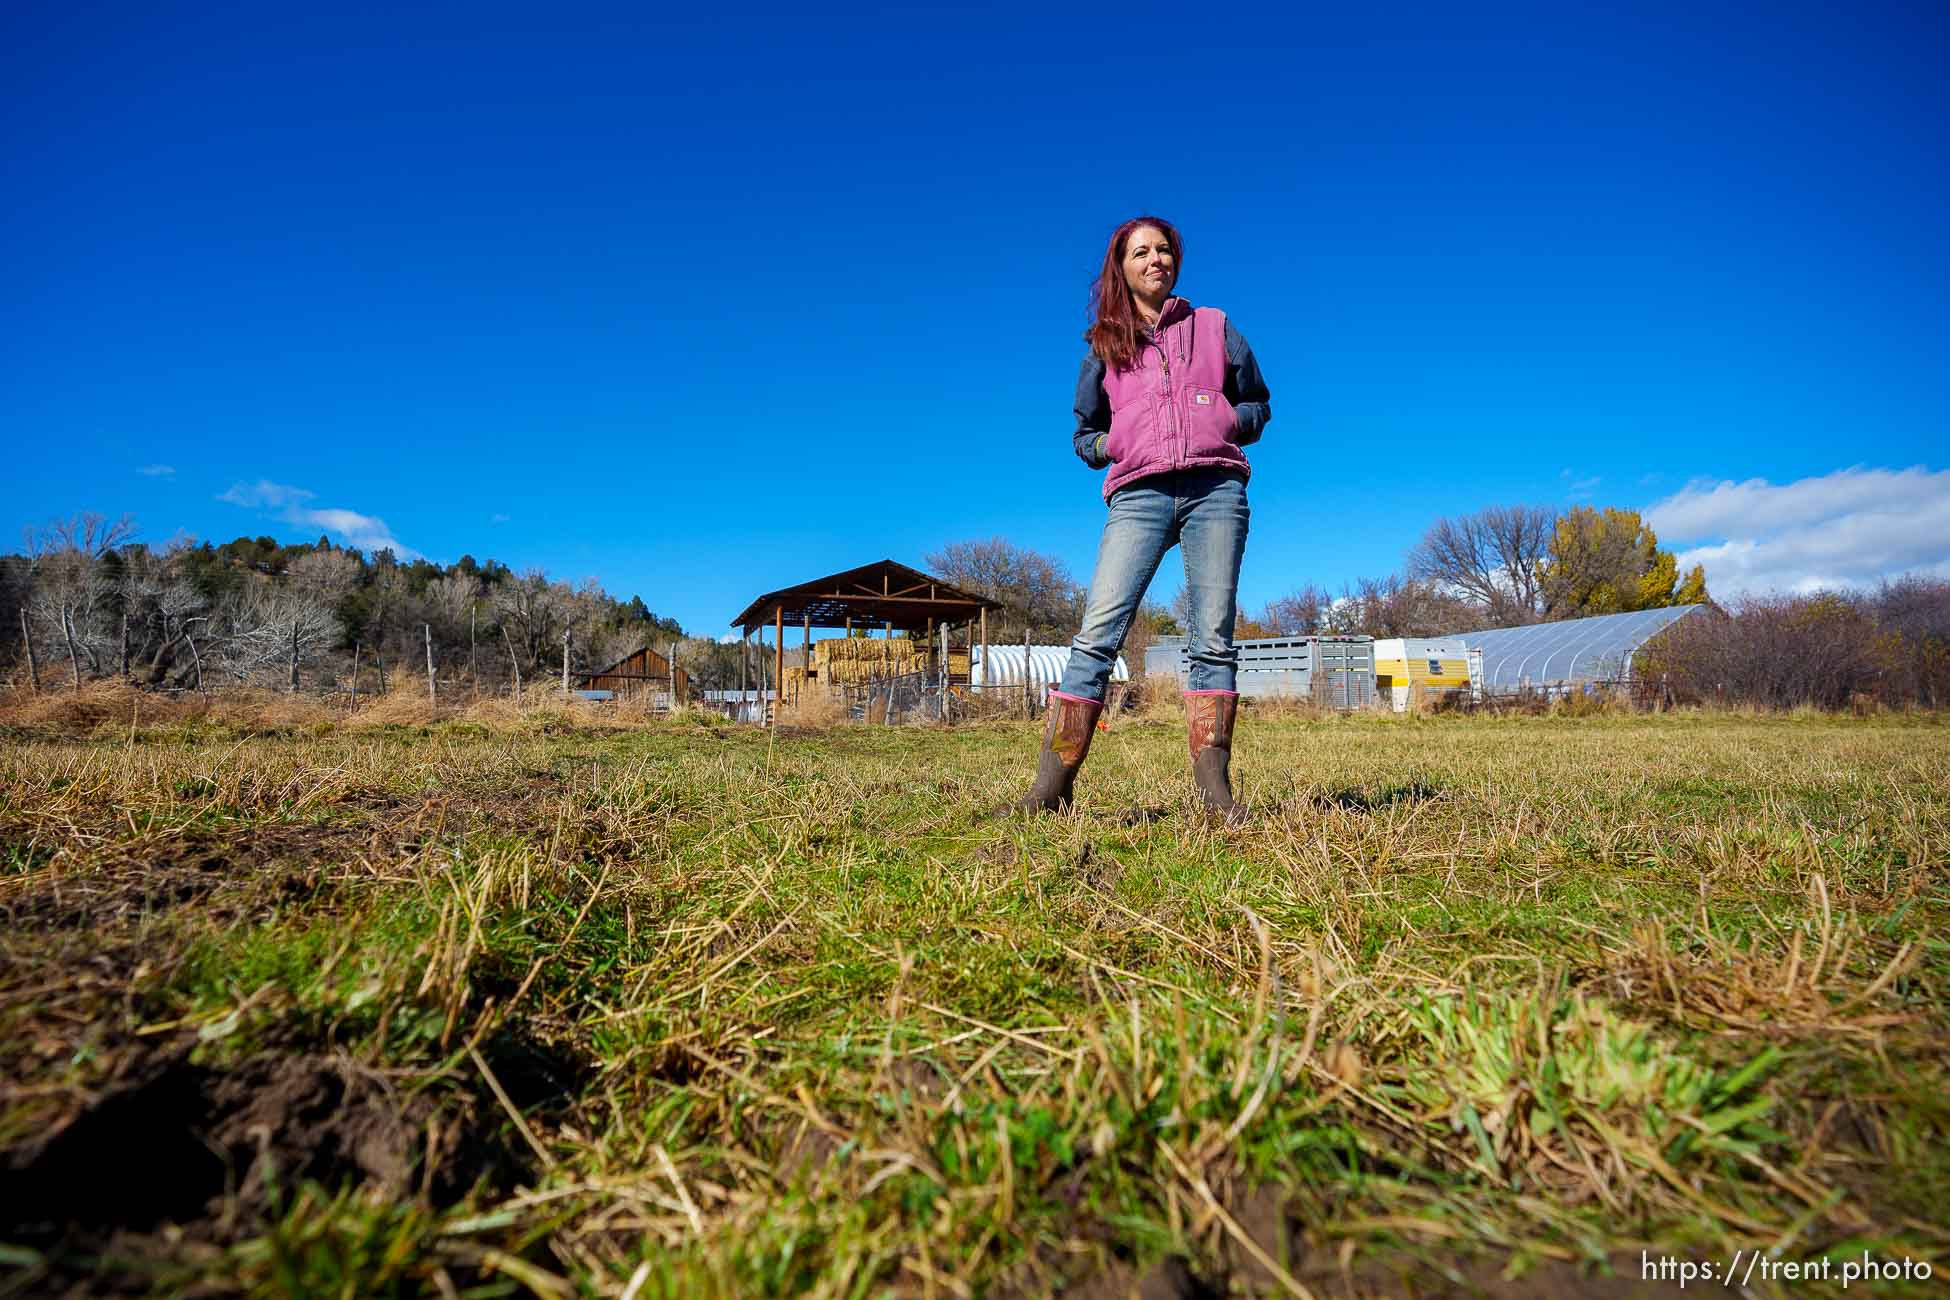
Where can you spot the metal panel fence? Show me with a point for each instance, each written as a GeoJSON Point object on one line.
{"type": "Point", "coordinates": [1335, 672]}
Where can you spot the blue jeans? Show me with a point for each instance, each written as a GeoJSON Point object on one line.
{"type": "Point", "coordinates": [1204, 513]}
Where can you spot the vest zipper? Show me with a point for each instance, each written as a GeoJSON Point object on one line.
{"type": "Point", "coordinates": [1171, 408]}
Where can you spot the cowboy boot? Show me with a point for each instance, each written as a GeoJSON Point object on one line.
{"type": "Point", "coordinates": [1208, 717]}
{"type": "Point", "coordinates": [1066, 740]}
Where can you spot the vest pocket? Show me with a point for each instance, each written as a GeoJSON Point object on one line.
{"type": "Point", "coordinates": [1209, 420]}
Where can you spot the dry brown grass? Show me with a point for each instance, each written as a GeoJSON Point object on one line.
{"type": "Point", "coordinates": [813, 711]}
{"type": "Point", "coordinates": [403, 706]}
{"type": "Point", "coordinates": [117, 703]}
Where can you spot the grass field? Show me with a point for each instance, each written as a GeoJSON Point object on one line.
{"type": "Point", "coordinates": [1472, 1006]}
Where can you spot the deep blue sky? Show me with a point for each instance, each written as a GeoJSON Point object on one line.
{"type": "Point", "coordinates": [703, 306]}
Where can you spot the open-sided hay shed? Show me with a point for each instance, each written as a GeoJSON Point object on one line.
{"type": "Point", "coordinates": [907, 607]}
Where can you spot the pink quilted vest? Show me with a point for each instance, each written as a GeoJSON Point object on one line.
{"type": "Point", "coordinates": [1168, 411]}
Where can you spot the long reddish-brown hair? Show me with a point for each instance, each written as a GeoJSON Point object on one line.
{"type": "Point", "coordinates": [1113, 332]}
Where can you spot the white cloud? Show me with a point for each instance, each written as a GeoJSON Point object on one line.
{"type": "Point", "coordinates": [157, 471]}
{"type": "Point", "coordinates": [1848, 528]}
{"type": "Point", "coordinates": [366, 532]}
{"type": "Point", "coordinates": [264, 494]}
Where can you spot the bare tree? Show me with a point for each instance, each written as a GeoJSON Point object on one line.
{"type": "Point", "coordinates": [277, 628]}
{"type": "Point", "coordinates": [1394, 606]}
{"type": "Point", "coordinates": [86, 534]}
{"type": "Point", "coordinates": [1036, 590]}
{"type": "Point", "coordinates": [450, 599]}
{"type": "Point", "coordinates": [535, 612]}
{"type": "Point", "coordinates": [73, 596]}
{"type": "Point", "coordinates": [328, 574]}
{"type": "Point", "coordinates": [1492, 559]}
{"type": "Point", "coordinates": [178, 608]}
{"type": "Point", "coordinates": [1300, 612]}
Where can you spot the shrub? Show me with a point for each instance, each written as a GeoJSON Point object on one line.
{"type": "Point", "coordinates": [1780, 652]}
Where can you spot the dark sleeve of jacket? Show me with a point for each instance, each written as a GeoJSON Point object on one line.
{"type": "Point", "coordinates": [1093, 413]}
{"type": "Point", "coordinates": [1252, 405]}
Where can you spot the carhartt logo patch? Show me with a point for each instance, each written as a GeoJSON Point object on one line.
{"type": "Point", "coordinates": [1203, 399]}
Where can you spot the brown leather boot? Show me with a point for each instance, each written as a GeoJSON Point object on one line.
{"type": "Point", "coordinates": [1066, 740]}
{"type": "Point", "coordinates": [1208, 717]}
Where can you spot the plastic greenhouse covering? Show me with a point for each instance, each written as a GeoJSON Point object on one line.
{"type": "Point", "coordinates": [1576, 650]}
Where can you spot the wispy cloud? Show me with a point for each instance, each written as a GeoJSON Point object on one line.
{"type": "Point", "coordinates": [1579, 488]}
{"type": "Point", "coordinates": [264, 495]}
{"type": "Point", "coordinates": [1848, 528]}
{"type": "Point", "coordinates": [498, 519]}
{"type": "Point", "coordinates": [352, 528]}
{"type": "Point", "coordinates": [157, 471]}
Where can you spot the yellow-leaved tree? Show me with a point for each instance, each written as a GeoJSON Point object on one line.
{"type": "Point", "coordinates": [1609, 562]}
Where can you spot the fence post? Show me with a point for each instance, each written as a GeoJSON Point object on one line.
{"type": "Point", "coordinates": [33, 665]}
{"type": "Point", "coordinates": [513, 662]}
{"type": "Point", "coordinates": [426, 630]}
{"type": "Point", "coordinates": [1028, 703]}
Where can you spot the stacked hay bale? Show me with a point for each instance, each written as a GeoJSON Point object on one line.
{"type": "Point", "coordinates": [856, 659]}
{"type": "Point", "coordinates": [866, 659]}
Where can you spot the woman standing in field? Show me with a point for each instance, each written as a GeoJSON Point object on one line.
{"type": "Point", "coordinates": [1168, 396]}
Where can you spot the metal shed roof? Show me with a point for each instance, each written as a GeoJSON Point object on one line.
{"type": "Point", "coordinates": [1574, 650]}
{"type": "Point", "coordinates": [883, 592]}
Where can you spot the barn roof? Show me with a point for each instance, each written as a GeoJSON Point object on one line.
{"type": "Point", "coordinates": [883, 592]}
{"type": "Point", "coordinates": [614, 668]}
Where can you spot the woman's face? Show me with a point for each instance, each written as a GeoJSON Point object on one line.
{"type": "Point", "coordinates": [1149, 267]}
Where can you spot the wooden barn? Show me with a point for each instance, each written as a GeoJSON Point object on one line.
{"type": "Point", "coordinates": [643, 678]}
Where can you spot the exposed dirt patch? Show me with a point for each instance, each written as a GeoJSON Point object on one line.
{"type": "Point", "coordinates": [183, 1144]}
{"type": "Point", "coordinates": [1170, 1279]}
{"type": "Point", "coordinates": [253, 871]}
{"type": "Point", "coordinates": [1352, 800]}
{"type": "Point", "coordinates": [1003, 853]}
{"type": "Point", "coordinates": [1476, 1277]}
{"type": "Point", "coordinates": [1271, 1219]}
{"type": "Point", "coordinates": [178, 1158]}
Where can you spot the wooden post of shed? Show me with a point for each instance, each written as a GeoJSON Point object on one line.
{"type": "Point", "coordinates": [985, 647]}
{"type": "Point", "coordinates": [744, 668]}
{"type": "Point", "coordinates": [808, 648]}
{"type": "Point", "coordinates": [778, 649]}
